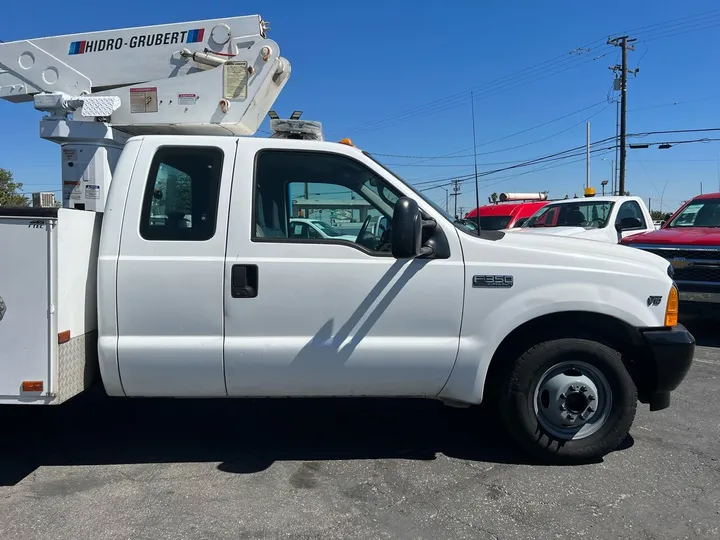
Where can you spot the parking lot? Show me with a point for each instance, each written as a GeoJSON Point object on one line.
{"type": "Point", "coordinates": [112, 469]}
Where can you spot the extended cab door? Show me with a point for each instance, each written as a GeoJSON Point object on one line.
{"type": "Point", "coordinates": [171, 268]}
{"type": "Point", "coordinates": [324, 316]}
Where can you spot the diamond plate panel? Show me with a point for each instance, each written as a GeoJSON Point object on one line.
{"type": "Point", "coordinates": [77, 366]}
{"type": "Point", "coordinates": [100, 105]}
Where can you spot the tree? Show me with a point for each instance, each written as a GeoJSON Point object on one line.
{"type": "Point", "coordinates": [11, 191]}
{"type": "Point", "coordinates": [657, 215]}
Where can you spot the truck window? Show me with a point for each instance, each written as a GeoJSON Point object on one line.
{"type": "Point", "coordinates": [323, 188]}
{"type": "Point", "coordinates": [700, 213]}
{"type": "Point", "coordinates": [491, 223]}
{"type": "Point", "coordinates": [583, 213]}
{"type": "Point", "coordinates": [631, 209]}
{"type": "Point", "coordinates": [181, 195]}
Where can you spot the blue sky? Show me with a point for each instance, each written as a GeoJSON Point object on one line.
{"type": "Point", "coordinates": [396, 76]}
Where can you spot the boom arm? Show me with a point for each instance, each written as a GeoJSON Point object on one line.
{"type": "Point", "coordinates": [210, 77]}
{"type": "Point", "coordinates": [201, 77]}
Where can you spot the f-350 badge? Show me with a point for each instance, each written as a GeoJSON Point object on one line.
{"type": "Point", "coordinates": [3, 308]}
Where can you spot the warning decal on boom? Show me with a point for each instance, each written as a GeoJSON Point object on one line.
{"type": "Point", "coordinates": [143, 100]}
{"type": "Point", "coordinates": [235, 78]}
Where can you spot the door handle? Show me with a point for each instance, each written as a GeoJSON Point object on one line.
{"type": "Point", "coordinates": [244, 281]}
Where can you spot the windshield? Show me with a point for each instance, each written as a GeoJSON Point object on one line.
{"type": "Point", "coordinates": [586, 214]}
{"type": "Point", "coordinates": [494, 223]}
{"type": "Point", "coordinates": [458, 223]}
{"type": "Point", "coordinates": [702, 213]}
{"type": "Point", "coordinates": [325, 228]}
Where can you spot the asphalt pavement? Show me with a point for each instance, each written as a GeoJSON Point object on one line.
{"type": "Point", "coordinates": [349, 469]}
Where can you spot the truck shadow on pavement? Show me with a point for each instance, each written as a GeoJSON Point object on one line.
{"type": "Point", "coordinates": [244, 436]}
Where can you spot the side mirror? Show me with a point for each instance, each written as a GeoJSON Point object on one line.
{"type": "Point", "coordinates": [406, 236]}
{"type": "Point", "coordinates": [628, 223]}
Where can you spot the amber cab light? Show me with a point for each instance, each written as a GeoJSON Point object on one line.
{"type": "Point", "coordinates": [673, 307]}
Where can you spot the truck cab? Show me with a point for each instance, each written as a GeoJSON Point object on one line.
{"type": "Point", "coordinates": [512, 210]}
{"type": "Point", "coordinates": [429, 308]}
{"type": "Point", "coordinates": [604, 218]}
{"type": "Point", "coordinates": [690, 241]}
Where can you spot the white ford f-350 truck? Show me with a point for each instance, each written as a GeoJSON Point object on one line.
{"type": "Point", "coordinates": [183, 281]}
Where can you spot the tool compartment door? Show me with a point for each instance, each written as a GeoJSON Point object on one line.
{"type": "Point", "coordinates": [26, 287]}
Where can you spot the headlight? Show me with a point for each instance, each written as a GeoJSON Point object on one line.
{"type": "Point", "coordinates": [671, 271]}
{"type": "Point", "coordinates": [672, 308]}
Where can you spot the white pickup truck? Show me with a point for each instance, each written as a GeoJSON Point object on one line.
{"type": "Point", "coordinates": [601, 218]}
{"type": "Point", "coordinates": [171, 269]}
{"type": "Point", "coordinates": [562, 336]}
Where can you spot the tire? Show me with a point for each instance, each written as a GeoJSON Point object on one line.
{"type": "Point", "coordinates": [543, 390]}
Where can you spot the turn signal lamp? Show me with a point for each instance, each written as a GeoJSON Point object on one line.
{"type": "Point", "coordinates": [672, 310]}
{"type": "Point", "coordinates": [346, 141]}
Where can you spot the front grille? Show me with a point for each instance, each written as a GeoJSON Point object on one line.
{"type": "Point", "coordinates": [705, 254]}
{"type": "Point", "coordinates": [699, 265]}
{"type": "Point", "coordinates": [697, 273]}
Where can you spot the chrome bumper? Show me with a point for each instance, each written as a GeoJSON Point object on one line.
{"type": "Point", "coordinates": [704, 297]}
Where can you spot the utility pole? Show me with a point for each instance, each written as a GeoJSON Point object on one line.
{"type": "Point", "coordinates": [617, 149]}
{"type": "Point", "coordinates": [447, 198]}
{"type": "Point", "coordinates": [477, 188]}
{"type": "Point", "coordinates": [623, 43]}
{"type": "Point", "coordinates": [587, 156]}
{"type": "Point", "coordinates": [456, 193]}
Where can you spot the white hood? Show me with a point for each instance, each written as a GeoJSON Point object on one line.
{"type": "Point", "coordinates": [557, 248]}
{"type": "Point", "coordinates": [581, 232]}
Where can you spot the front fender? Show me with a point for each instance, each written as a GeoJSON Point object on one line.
{"type": "Point", "coordinates": [490, 315]}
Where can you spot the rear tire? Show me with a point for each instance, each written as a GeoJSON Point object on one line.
{"type": "Point", "coordinates": [568, 400]}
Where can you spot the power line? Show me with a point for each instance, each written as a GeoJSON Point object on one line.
{"type": "Point", "coordinates": [650, 32]}
{"type": "Point", "coordinates": [674, 103]}
{"type": "Point", "coordinates": [502, 83]}
{"type": "Point", "coordinates": [629, 135]}
{"type": "Point", "coordinates": [451, 104]}
{"type": "Point", "coordinates": [558, 156]}
{"type": "Point", "coordinates": [670, 22]}
{"type": "Point", "coordinates": [574, 152]}
{"type": "Point", "coordinates": [452, 155]}
{"type": "Point", "coordinates": [679, 28]}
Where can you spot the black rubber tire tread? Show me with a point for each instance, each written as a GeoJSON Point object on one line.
{"type": "Point", "coordinates": [515, 398]}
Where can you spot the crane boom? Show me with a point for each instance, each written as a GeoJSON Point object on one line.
{"type": "Point", "coordinates": [207, 77]}
{"type": "Point", "coordinates": [215, 76]}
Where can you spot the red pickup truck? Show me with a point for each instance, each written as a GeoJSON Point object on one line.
{"type": "Point", "coordinates": [690, 240]}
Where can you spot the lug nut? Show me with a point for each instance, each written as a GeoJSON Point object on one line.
{"type": "Point", "coordinates": [562, 407]}
{"type": "Point", "coordinates": [570, 418]}
{"type": "Point", "coordinates": [572, 388]}
{"type": "Point", "coordinates": [581, 416]}
{"type": "Point", "coordinates": [583, 388]}
{"type": "Point", "coordinates": [563, 396]}
{"type": "Point", "coordinates": [590, 409]}
{"type": "Point", "coordinates": [591, 398]}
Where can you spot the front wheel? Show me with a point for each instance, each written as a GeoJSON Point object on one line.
{"type": "Point", "coordinates": [569, 400]}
